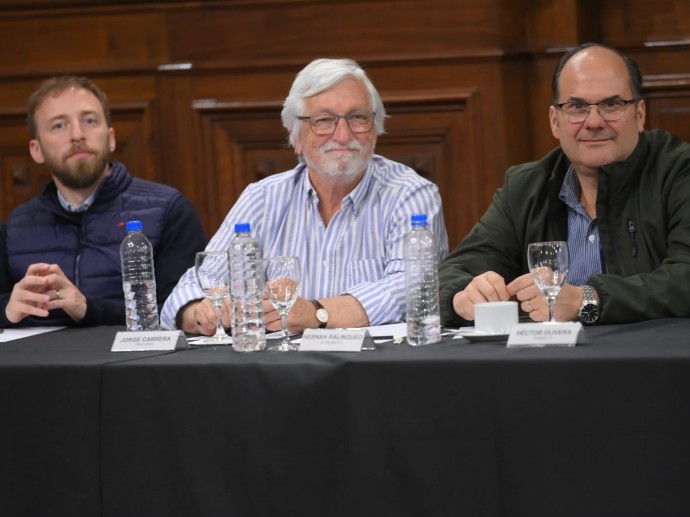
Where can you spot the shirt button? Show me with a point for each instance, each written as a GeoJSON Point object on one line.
{"type": "Point", "coordinates": [591, 238]}
{"type": "Point", "coordinates": [325, 263]}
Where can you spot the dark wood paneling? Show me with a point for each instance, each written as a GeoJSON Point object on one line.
{"type": "Point", "coordinates": [384, 30]}
{"type": "Point", "coordinates": [90, 42]}
{"type": "Point", "coordinates": [439, 135]}
{"type": "Point", "coordinates": [641, 22]}
{"type": "Point", "coordinates": [197, 86]}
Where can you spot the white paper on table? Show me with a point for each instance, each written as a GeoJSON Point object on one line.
{"type": "Point", "coordinates": [18, 333]}
{"type": "Point", "coordinates": [397, 330]}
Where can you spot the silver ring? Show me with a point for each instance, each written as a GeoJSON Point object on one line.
{"type": "Point", "coordinates": [57, 294]}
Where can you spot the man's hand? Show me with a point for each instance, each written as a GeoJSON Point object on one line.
{"type": "Point", "coordinates": [201, 317]}
{"type": "Point", "coordinates": [343, 311]}
{"type": "Point", "coordinates": [45, 287]}
{"type": "Point", "coordinates": [533, 302]}
{"type": "Point", "coordinates": [487, 287]}
{"type": "Point", "coordinates": [301, 316]}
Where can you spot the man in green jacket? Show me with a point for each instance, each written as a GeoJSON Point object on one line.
{"type": "Point", "coordinates": [619, 196]}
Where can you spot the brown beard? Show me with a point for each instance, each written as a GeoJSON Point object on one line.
{"type": "Point", "coordinates": [84, 174]}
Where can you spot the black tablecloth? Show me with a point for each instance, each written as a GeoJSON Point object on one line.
{"type": "Point", "coordinates": [601, 429]}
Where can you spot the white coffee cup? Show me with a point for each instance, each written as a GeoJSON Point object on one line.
{"type": "Point", "coordinates": [495, 317]}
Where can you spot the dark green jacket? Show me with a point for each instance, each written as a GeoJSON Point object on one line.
{"type": "Point", "coordinates": [643, 212]}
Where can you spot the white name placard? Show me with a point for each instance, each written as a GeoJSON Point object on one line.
{"type": "Point", "coordinates": [145, 340]}
{"type": "Point", "coordinates": [564, 334]}
{"type": "Point", "coordinates": [336, 340]}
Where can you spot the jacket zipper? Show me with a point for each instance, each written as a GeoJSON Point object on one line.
{"type": "Point", "coordinates": [631, 232]}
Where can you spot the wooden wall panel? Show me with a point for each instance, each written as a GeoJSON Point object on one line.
{"type": "Point", "coordinates": [88, 42]}
{"type": "Point", "coordinates": [669, 108]}
{"type": "Point", "coordinates": [643, 23]}
{"type": "Point", "coordinates": [294, 32]}
{"type": "Point", "coordinates": [439, 135]}
{"type": "Point", "coordinates": [242, 143]}
{"type": "Point", "coordinates": [197, 86]}
{"type": "Point", "coordinates": [20, 177]}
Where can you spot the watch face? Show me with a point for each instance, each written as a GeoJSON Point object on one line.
{"type": "Point", "coordinates": [589, 314]}
{"type": "Point", "coordinates": [322, 315]}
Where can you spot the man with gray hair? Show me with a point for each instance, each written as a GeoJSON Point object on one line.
{"type": "Point", "coordinates": [343, 210]}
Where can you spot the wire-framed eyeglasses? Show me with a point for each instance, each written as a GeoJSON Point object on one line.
{"type": "Point", "coordinates": [609, 109]}
{"type": "Point", "coordinates": [325, 123]}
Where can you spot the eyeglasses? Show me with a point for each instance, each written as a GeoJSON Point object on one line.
{"type": "Point", "coordinates": [325, 123]}
{"type": "Point", "coordinates": [609, 109]}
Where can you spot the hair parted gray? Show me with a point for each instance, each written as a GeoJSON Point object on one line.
{"type": "Point", "coordinates": [318, 76]}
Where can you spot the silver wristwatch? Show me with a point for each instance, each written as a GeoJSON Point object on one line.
{"type": "Point", "coordinates": [589, 310]}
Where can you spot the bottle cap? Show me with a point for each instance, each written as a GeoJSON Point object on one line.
{"type": "Point", "coordinates": [419, 220]}
{"type": "Point", "coordinates": [134, 226]}
{"type": "Point", "coordinates": [242, 228]}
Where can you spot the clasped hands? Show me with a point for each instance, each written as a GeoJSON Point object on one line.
{"type": "Point", "coordinates": [45, 287]}
{"type": "Point", "coordinates": [491, 287]}
{"type": "Point", "coordinates": [203, 316]}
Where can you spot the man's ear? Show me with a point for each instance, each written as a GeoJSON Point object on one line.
{"type": "Point", "coordinates": [36, 151]}
{"type": "Point", "coordinates": [640, 113]}
{"type": "Point", "coordinates": [111, 139]}
{"type": "Point", "coordinates": [554, 123]}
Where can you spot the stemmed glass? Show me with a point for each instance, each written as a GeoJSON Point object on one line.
{"type": "Point", "coordinates": [548, 264]}
{"type": "Point", "coordinates": [212, 273]}
{"type": "Point", "coordinates": [282, 279]}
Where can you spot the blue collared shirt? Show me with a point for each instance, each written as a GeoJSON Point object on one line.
{"type": "Point", "coordinates": [360, 252]}
{"type": "Point", "coordinates": [584, 245]}
{"type": "Point", "coordinates": [76, 208]}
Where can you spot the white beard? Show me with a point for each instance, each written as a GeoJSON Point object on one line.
{"type": "Point", "coordinates": [345, 168]}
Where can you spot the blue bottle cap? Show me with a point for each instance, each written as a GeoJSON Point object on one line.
{"type": "Point", "coordinates": [419, 220]}
{"type": "Point", "coordinates": [243, 228]}
{"type": "Point", "coordinates": [134, 226]}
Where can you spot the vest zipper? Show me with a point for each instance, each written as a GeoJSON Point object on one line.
{"type": "Point", "coordinates": [631, 232]}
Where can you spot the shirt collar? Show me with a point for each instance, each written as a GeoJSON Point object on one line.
{"type": "Point", "coordinates": [570, 189]}
{"type": "Point", "coordinates": [357, 196]}
{"type": "Point", "coordinates": [88, 201]}
{"type": "Point", "coordinates": [76, 208]}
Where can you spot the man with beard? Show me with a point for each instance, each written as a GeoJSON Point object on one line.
{"type": "Point", "coordinates": [344, 211]}
{"type": "Point", "coordinates": [60, 251]}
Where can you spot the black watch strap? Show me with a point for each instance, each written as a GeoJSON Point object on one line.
{"type": "Point", "coordinates": [321, 313]}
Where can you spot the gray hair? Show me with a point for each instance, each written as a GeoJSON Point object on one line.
{"type": "Point", "coordinates": [318, 76]}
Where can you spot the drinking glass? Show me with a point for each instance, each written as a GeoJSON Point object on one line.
{"type": "Point", "coordinates": [548, 264]}
{"type": "Point", "coordinates": [212, 273]}
{"type": "Point", "coordinates": [282, 279]}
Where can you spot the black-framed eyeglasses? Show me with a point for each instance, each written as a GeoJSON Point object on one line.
{"type": "Point", "coordinates": [609, 109]}
{"type": "Point", "coordinates": [325, 123]}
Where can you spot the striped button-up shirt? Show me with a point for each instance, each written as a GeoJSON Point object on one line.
{"type": "Point", "coordinates": [584, 245]}
{"type": "Point", "coordinates": [360, 252]}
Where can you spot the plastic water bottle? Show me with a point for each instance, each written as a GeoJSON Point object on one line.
{"type": "Point", "coordinates": [246, 291]}
{"type": "Point", "coordinates": [139, 280]}
{"type": "Point", "coordinates": [421, 284]}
